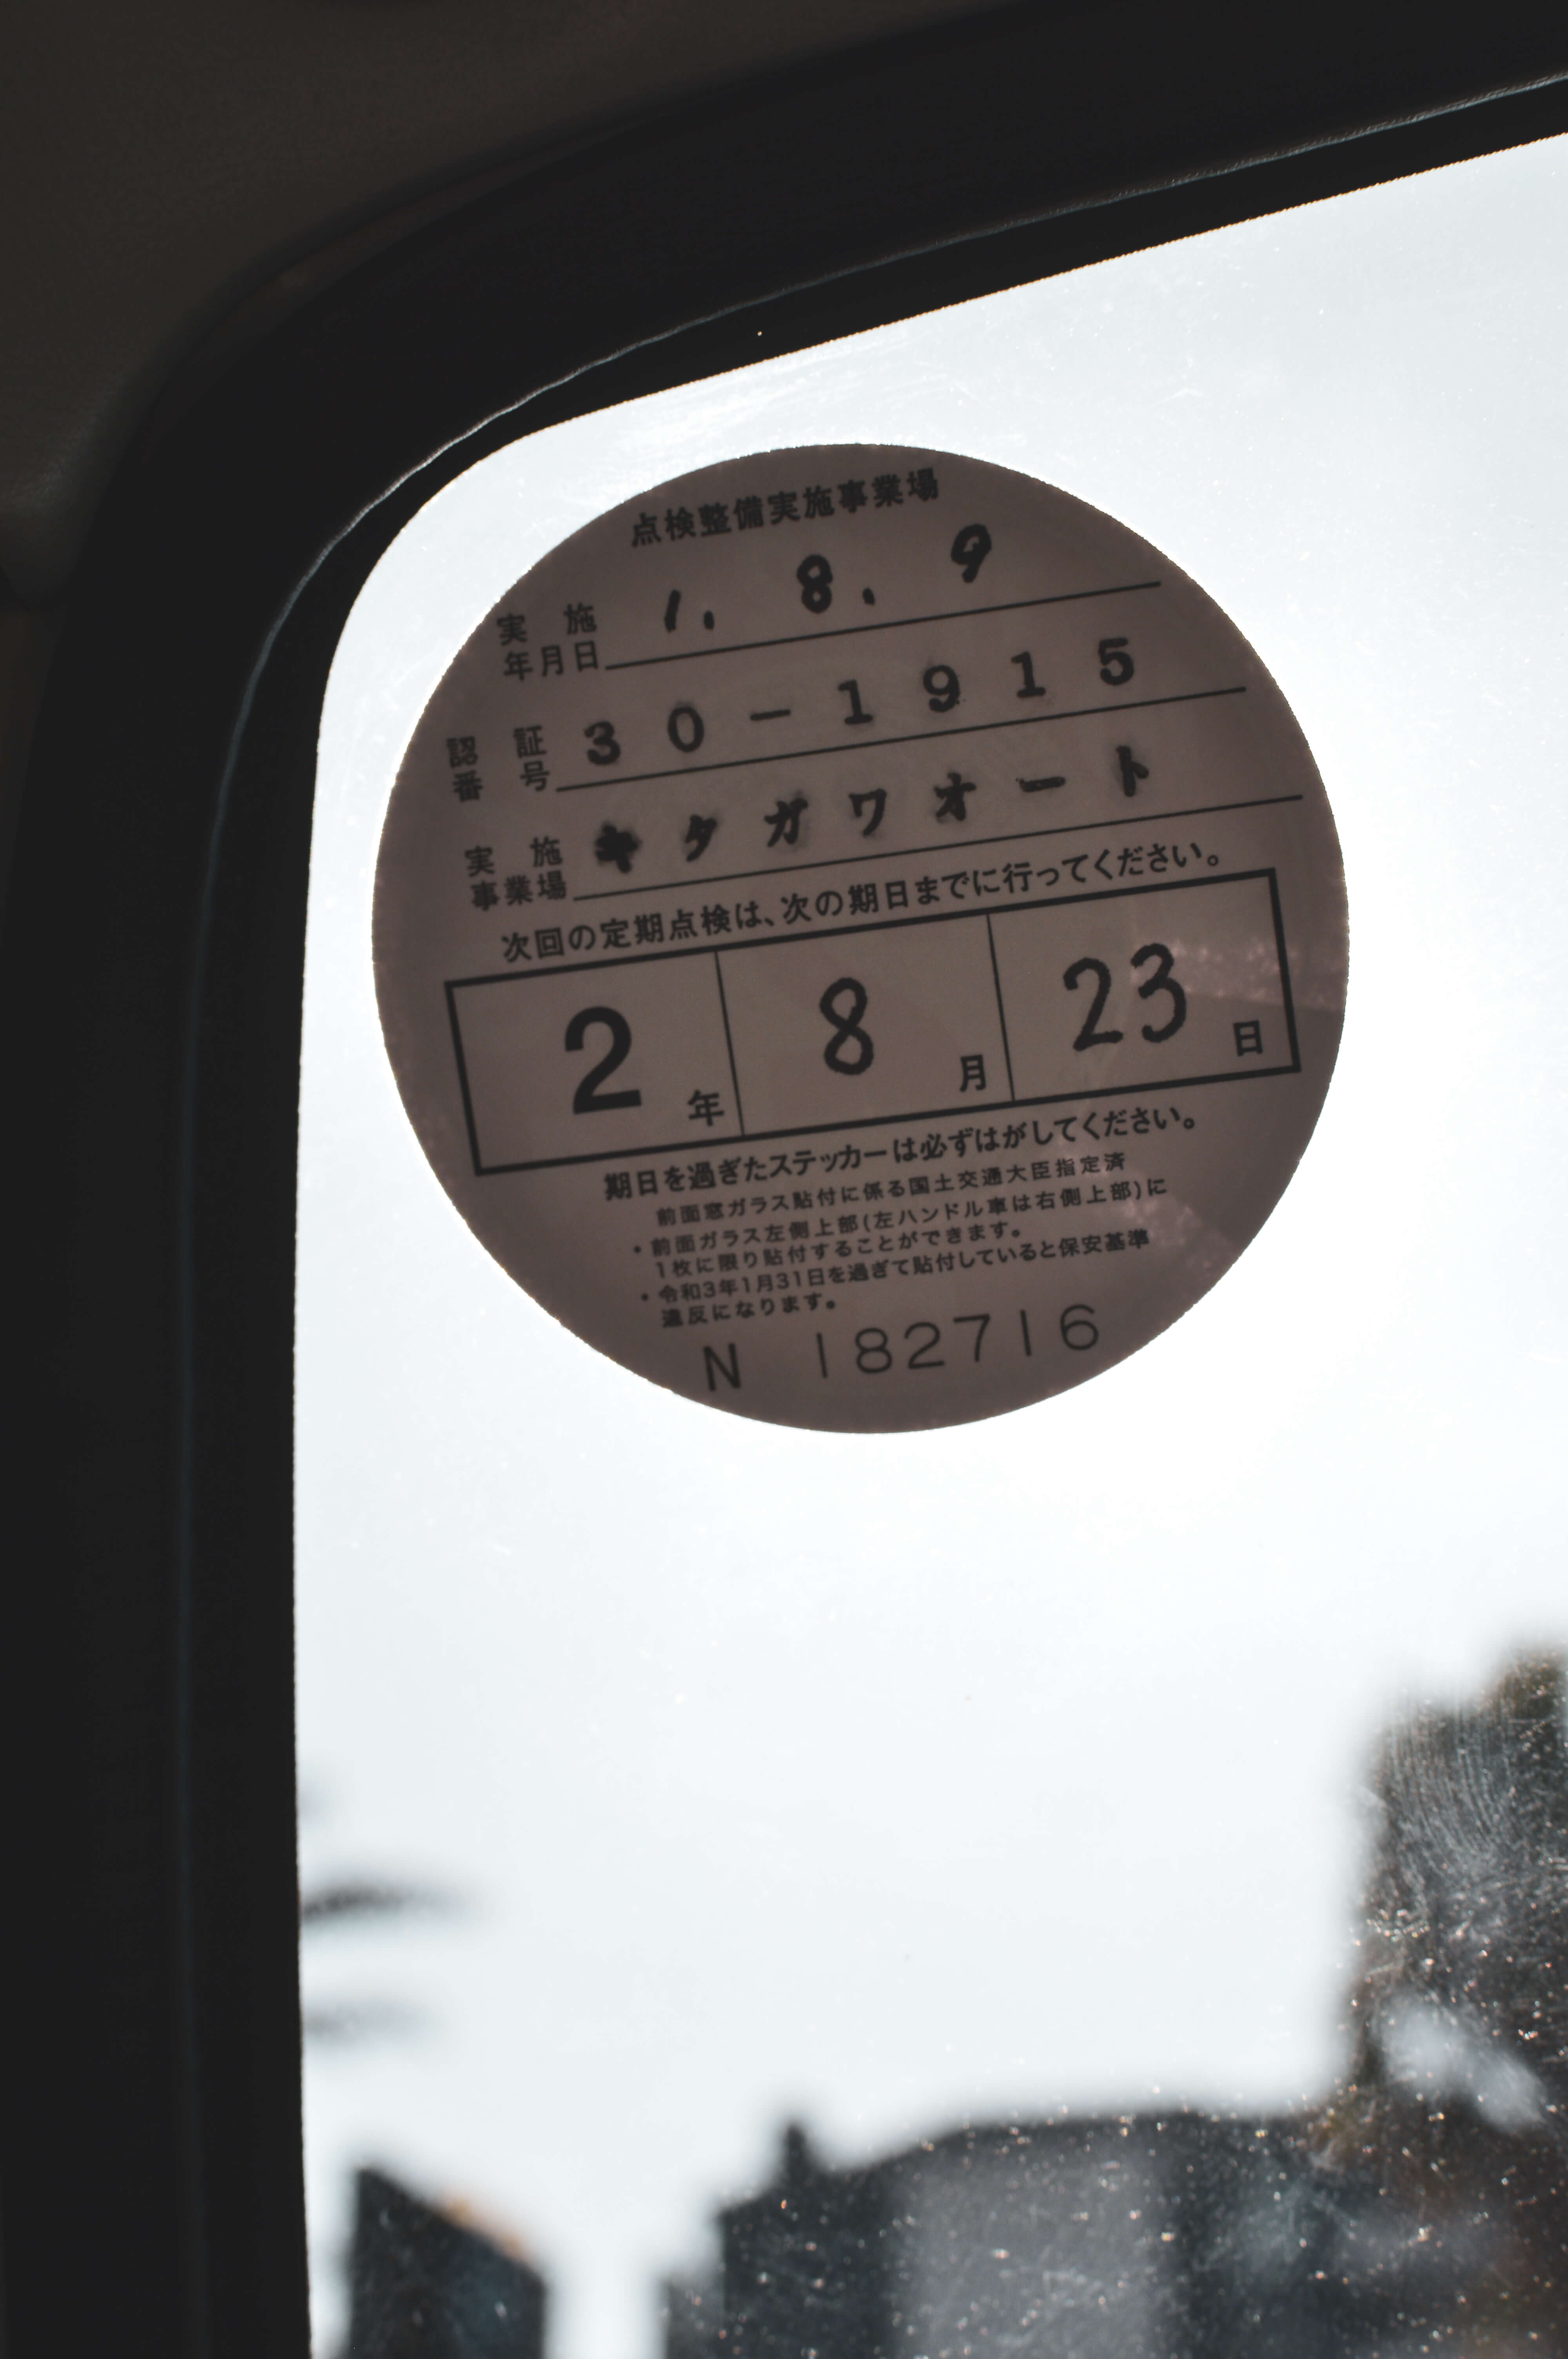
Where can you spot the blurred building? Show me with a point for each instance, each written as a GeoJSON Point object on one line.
{"type": "Point", "coordinates": [427, 2285]}
{"type": "Point", "coordinates": [1130, 2237]}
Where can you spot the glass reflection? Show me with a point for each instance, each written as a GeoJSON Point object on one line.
{"type": "Point", "coordinates": [1421, 2207]}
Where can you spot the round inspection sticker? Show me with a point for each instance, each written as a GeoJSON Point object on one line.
{"type": "Point", "coordinates": [861, 937]}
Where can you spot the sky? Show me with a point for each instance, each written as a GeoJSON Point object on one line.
{"type": "Point", "coordinates": [895, 1781]}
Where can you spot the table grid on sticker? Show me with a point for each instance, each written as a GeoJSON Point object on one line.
{"type": "Point", "coordinates": [1176, 985]}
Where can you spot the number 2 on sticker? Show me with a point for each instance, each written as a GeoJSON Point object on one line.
{"type": "Point", "coordinates": [589, 1098]}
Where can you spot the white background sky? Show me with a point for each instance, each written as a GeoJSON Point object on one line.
{"type": "Point", "coordinates": [897, 1780]}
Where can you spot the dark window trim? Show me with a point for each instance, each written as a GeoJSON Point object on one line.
{"type": "Point", "coordinates": [154, 954]}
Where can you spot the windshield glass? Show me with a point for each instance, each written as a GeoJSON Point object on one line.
{"type": "Point", "coordinates": [1096, 1877]}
